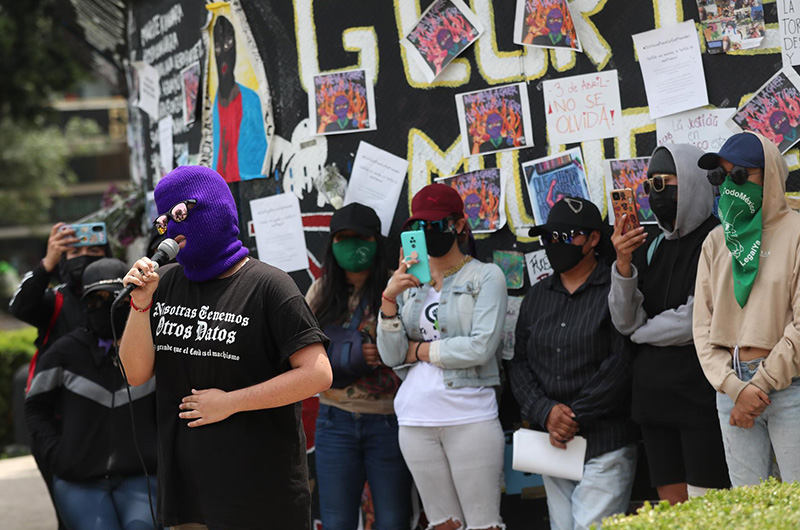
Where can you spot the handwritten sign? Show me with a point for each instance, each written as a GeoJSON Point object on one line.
{"type": "Point", "coordinates": [538, 266]}
{"type": "Point", "coordinates": [279, 232]}
{"type": "Point", "coordinates": [376, 181]}
{"type": "Point", "coordinates": [583, 107]}
{"type": "Point", "coordinates": [672, 69]}
{"type": "Point", "coordinates": [706, 129]}
{"type": "Point", "coordinates": [789, 24]}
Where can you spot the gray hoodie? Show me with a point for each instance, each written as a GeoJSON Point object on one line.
{"type": "Point", "coordinates": [672, 327]}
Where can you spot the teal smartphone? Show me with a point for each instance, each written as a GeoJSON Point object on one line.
{"type": "Point", "coordinates": [89, 234]}
{"type": "Point", "coordinates": [413, 242]}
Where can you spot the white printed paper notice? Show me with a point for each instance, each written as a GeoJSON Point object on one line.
{"type": "Point", "coordinates": [279, 232]}
{"type": "Point", "coordinates": [583, 107]}
{"type": "Point", "coordinates": [672, 69]}
{"type": "Point", "coordinates": [149, 89]}
{"type": "Point", "coordinates": [789, 24]}
{"type": "Point", "coordinates": [534, 454]}
{"type": "Point", "coordinates": [376, 181]}
{"type": "Point", "coordinates": [166, 148]}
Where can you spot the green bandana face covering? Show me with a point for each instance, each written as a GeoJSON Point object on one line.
{"type": "Point", "coordinates": [354, 254]}
{"type": "Point", "coordinates": [740, 213]}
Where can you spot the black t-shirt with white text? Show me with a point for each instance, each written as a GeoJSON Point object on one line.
{"type": "Point", "coordinates": [248, 471]}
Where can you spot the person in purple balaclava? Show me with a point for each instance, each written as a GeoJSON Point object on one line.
{"type": "Point", "coordinates": [779, 123]}
{"type": "Point", "coordinates": [235, 349]}
{"type": "Point", "coordinates": [554, 35]}
{"type": "Point", "coordinates": [341, 106]}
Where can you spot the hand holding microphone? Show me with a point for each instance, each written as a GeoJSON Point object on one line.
{"type": "Point", "coordinates": [142, 279]}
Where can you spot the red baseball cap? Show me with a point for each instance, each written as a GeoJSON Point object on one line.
{"type": "Point", "coordinates": [435, 202]}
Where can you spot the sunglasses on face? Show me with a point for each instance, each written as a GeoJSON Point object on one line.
{"type": "Point", "coordinates": [99, 299]}
{"type": "Point", "coordinates": [562, 237]}
{"type": "Point", "coordinates": [655, 183]}
{"type": "Point", "coordinates": [177, 213]}
{"type": "Point", "coordinates": [442, 225]}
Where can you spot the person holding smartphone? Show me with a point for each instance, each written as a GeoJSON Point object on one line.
{"type": "Point", "coordinates": [652, 301]}
{"type": "Point", "coordinates": [443, 338]}
{"type": "Point", "coordinates": [356, 437]}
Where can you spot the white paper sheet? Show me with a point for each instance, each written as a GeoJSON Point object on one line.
{"type": "Point", "coordinates": [376, 181]}
{"type": "Point", "coordinates": [165, 146]}
{"type": "Point", "coordinates": [538, 266]}
{"type": "Point", "coordinates": [149, 89]}
{"type": "Point", "coordinates": [789, 24]}
{"type": "Point", "coordinates": [705, 128]}
{"type": "Point", "coordinates": [534, 454]}
{"type": "Point", "coordinates": [279, 232]}
{"type": "Point", "coordinates": [672, 69]}
{"type": "Point", "coordinates": [583, 107]}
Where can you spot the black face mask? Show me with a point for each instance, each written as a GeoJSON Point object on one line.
{"type": "Point", "coordinates": [665, 205]}
{"type": "Point", "coordinates": [563, 256]}
{"type": "Point", "coordinates": [71, 270]}
{"type": "Point", "coordinates": [439, 243]}
{"type": "Point", "coordinates": [98, 320]}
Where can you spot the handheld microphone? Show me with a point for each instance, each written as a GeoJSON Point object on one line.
{"type": "Point", "coordinates": [167, 250]}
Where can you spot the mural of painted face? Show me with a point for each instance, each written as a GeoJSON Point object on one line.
{"type": "Point", "coordinates": [779, 122]}
{"type": "Point", "coordinates": [494, 125]}
{"type": "Point", "coordinates": [472, 205]}
{"type": "Point", "coordinates": [555, 20]}
{"type": "Point", "coordinates": [340, 106]}
{"type": "Point", "coordinates": [225, 52]}
{"type": "Point", "coordinates": [445, 39]}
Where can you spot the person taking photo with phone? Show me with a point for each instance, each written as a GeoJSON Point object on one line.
{"type": "Point", "coordinates": [443, 338]}
{"type": "Point", "coordinates": [651, 301]}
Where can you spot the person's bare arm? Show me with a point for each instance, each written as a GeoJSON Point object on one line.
{"type": "Point", "coordinates": [136, 350]}
{"type": "Point", "coordinates": [310, 374]}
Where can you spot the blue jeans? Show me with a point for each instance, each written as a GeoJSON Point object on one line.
{"type": "Point", "coordinates": [118, 503]}
{"type": "Point", "coordinates": [749, 451]}
{"type": "Point", "coordinates": [604, 490]}
{"type": "Point", "coordinates": [352, 448]}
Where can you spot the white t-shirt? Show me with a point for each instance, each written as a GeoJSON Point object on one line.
{"type": "Point", "coordinates": [423, 399]}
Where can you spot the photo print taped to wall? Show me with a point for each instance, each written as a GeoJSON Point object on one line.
{"type": "Point", "coordinates": [342, 102]}
{"type": "Point", "coordinates": [545, 23]}
{"type": "Point", "coordinates": [495, 119]}
{"type": "Point", "coordinates": [483, 196]}
{"type": "Point", "coordinates": [552, 178]}
{"type": "Point", "coordinates": [774, 110]}
{"type": "Point", "coordinates": [441, 34]}
{"type": "Point", "coordinates": [730, 25]}
{"type": "Point", "coordinates": [241, 108]}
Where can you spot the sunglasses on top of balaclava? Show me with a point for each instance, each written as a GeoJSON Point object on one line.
{"type": "Point", "coordinates": [178, 213]}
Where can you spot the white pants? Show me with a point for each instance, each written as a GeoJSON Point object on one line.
{"type": "Point", "coordinates": [458, 471]}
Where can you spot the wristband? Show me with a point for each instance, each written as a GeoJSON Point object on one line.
{"type": "Point", "coordinates": [387, 317]}
{"type": "Point", "coordinates": [416, 351]}
{"type": "Point", "coordinates": [390, 300]}
{"type": "Point", "coordinates": [141, 310]}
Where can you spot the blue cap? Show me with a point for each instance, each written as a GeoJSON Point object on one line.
{"type": "Point", "coordinates": [743, 149]}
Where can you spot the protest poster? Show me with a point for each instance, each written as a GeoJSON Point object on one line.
{"type": "Point", "coordinates": [444, 30]}
{"type": "Point", "coordinates": [730, 25]}
{"type": "Point", "coordinates": [707, 129]}
{"type": "Point", "coordinates": [552, 178]}
{"type": "Point", "coordinates": [672, 69]}
{"type": "Point", "coordinates": [582, 107]}
{"type": "Point", "coordinates": [190, 87]}
{"type": "Point", "coordinates": [538, 266]}
{"type": "Point", "coordinates": [495, 119]}
{"type": "Point", "coordinates": [630, 173]}
{"type": "Point", "coordinates": [545, 23]}
{"type": "Point", "coordinates": [789, 25]}
{"type": "Point", "coordinates": [484, 200]}
{"type": "Point", "coordinates": [512, 264]}
{"type": "Point", "coordinates": [342, 102]}
{"type": "Point", "coordinates": [774, 110]}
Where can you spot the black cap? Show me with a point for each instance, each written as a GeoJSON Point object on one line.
{"type": "Point", "coordinates": [356, 217]}
{"type": "Point", "coordinates": [661, 162]}
{"type": "Point", "coordinates": [570, 213]}
{"type": "Point", "coordinates": [105, 274]}
{"type": "Point", "coordinates": [743, 149]}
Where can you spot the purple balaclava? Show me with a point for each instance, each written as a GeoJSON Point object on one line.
{"type": "Point", "coordinates": [555, 19]}
{"type": "Point", "coordinates": [212, 226]}
{"type": "Point", "coordinates": [780, 122]}
{"type": "Point", "coordinates": [494, 125]}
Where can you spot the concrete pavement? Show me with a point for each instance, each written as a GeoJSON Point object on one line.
{"type": "Point", "coordinates": [24, 502]}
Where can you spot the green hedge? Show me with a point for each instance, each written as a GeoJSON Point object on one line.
{"type": "Point", "coordinates": [772, 504]}
{"type": "Point", "coordinates": [16, 349]}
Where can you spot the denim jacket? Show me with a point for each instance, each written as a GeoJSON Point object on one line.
{"type": "Point", "coordinates": [472, 311]}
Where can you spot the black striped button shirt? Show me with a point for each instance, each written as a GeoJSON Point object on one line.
{"type": "Point", "coordinates": [568, 351]}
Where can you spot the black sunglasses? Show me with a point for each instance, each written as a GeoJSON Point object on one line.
{"type": "Point", "coordinates": [566, 237]}
{"type": "Point", "coordinates": [442, 225]}
{"type": "Point", "coordinates": [177, 213]}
